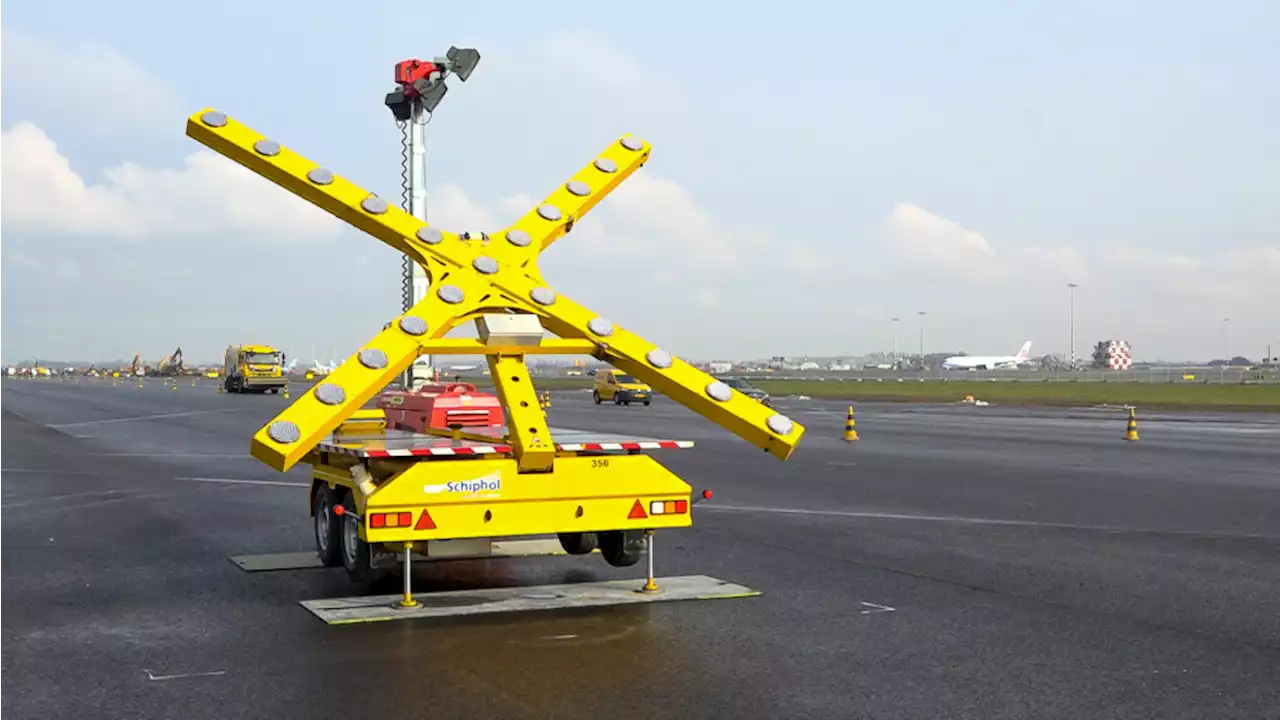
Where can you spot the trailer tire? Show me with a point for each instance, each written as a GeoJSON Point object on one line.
{"type": "Point", "coordinates": [357, 556]}
{"type": "Point", "coordinates": [328, 528]}
{"type": "Point", "coordinates": [578, 543]}
{"type": "Point", "coordinates": [621, 548]}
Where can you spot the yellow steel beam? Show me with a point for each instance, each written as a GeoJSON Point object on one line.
{"type": "Point", "coordinates": [474, 276]}
{"type": "Point", "coordinates": [555, 216]}
{"type": "Point", "coordinates": [291, 434]}
{"type": "Point", "coordinates": [470, 346]}
{"type": "Point", "coordinates": [526, 423]}
{"type": "Point", "coordinates": [309, 181]}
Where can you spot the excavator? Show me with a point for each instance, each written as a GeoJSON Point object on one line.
{"type": "Point", "coordinates": [133, 368]}
{"type": "Point", "coordinates": [170, 365]}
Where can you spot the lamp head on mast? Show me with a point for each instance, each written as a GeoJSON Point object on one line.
{"type": "Point", "coordinates": [422, 81]}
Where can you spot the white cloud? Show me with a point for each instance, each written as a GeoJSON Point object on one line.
{"type": "Point", "coordinates": [803, 258]}
{"type": "Point", "coordinates": [594, 57]}
{"type": "Point", "coordinates": [110, 91]}
{"type": "Point", "coordinates": [921, 236]}
{"type": "Point", "coordinates": [449, 207]}
{"type": "Point", "coordinates": [1261, 263]}
{"type": "Point", "coordinates": [1248, 275]}
{"type": "Point", "coordinates": [923, 239]}
{"type": "Point", "coordinates": [658, 219]}
{"type": "Point", "coordinates": [709, 298]}
{"type": "Point", "coordinates": [1142, 259]}
{"type": "Point", "coordinates": [208, 195]}
{"type": "Point", "coordinates": [21, 260]}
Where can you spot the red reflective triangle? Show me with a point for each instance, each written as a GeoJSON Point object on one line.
{"type": "Point", "coordinates": [637, 512]}
{"type": "Point", "coordinates": [425, 522]}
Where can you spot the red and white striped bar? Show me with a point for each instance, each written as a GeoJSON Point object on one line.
{"type": "Point", "coordinates": [370, 452]}
{"type": "Point", "coordinates": [402, 444]}
{"type": "Point", "coordinates": [638, 445]}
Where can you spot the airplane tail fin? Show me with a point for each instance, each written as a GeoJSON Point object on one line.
{"type": "Point", "coordinates": [1025, 352]}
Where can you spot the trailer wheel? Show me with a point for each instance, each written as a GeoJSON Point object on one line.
{"type": "Point", "coordinates": [578, 543]}
{"type": "Point", "coordinates": [328, 527]}
{"type": "Point", "coordinates": [357, 556]}
{"type": "Point", "coordinates": [621, 548]}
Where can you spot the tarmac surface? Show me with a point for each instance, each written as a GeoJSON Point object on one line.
{"type": "Point", "coordinates": [956, 561]}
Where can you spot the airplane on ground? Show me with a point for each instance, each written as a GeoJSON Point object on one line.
{"type": "Point", "coordinates": [320, 368]}
{"type": "Point", "coordinates": [992, 362]}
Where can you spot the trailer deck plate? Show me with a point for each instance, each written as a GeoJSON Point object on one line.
{"type": "Point", "coordinates": [458, 603]}
{"type": "Point", "coordinates": [309, 560]}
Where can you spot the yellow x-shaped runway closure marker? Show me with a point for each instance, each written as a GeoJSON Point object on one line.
{"type": "Point", "coordinates": [468, 277]}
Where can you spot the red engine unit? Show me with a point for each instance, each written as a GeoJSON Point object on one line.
{"type": "Point", "coordinates": [409, 72]}
{"type": "Point", "coordinates": [442, 406]}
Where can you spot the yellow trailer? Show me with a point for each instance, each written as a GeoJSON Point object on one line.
{"type": "Point", "coordinates": [379, 494]}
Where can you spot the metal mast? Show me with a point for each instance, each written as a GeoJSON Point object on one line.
{"type": "Point", "coordinates": [420, 89]}
{"type": "Point", "coordinates": [1071, 290]}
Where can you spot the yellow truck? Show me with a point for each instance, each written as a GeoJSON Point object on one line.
{"type": "Point", "coordinates": [253, 369]}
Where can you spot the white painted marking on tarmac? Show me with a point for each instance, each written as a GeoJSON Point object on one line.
{"type": "Point", "coordinates": [158, 416]}
{"type": "Point", "coordinates": [179, 676]}
{"type": "Point", "coordinates": [39, 471]}
{"type": "Point", "coordinates": [979, 521]}
{"type": "Point", "coordinates": [240, 481]}
{"type": "Point", "coordinates": [113, 495]}
{"type": "Point", "coordinates": [872, 608]}
{"type": "Point", "coordinates": [876, 515]}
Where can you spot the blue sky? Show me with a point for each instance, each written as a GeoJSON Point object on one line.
{"type": "Point", "coordinates": [815, 172]}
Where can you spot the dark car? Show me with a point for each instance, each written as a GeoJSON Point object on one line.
{"type": "Point", "coordinates": [745, 388]}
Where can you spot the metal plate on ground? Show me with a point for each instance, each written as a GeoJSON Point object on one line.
{"type": "Point", "coordinates": [343, 611]}
{"type": "Point", "coordinates": [277, 561]}
{"type": "Point", "coordinates": [309, 560]}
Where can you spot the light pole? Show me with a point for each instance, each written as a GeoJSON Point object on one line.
{"type": "Point", "coordinates": [1226, 353]}
{"type": "Point", "coordinates": [1071, 289]}
{"type": "Point", "coordinates": [419, 89]}
{"type": "Point", "coordinates": [895, 342]}
{"type": "Point", "coordinates": [921, 314]}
